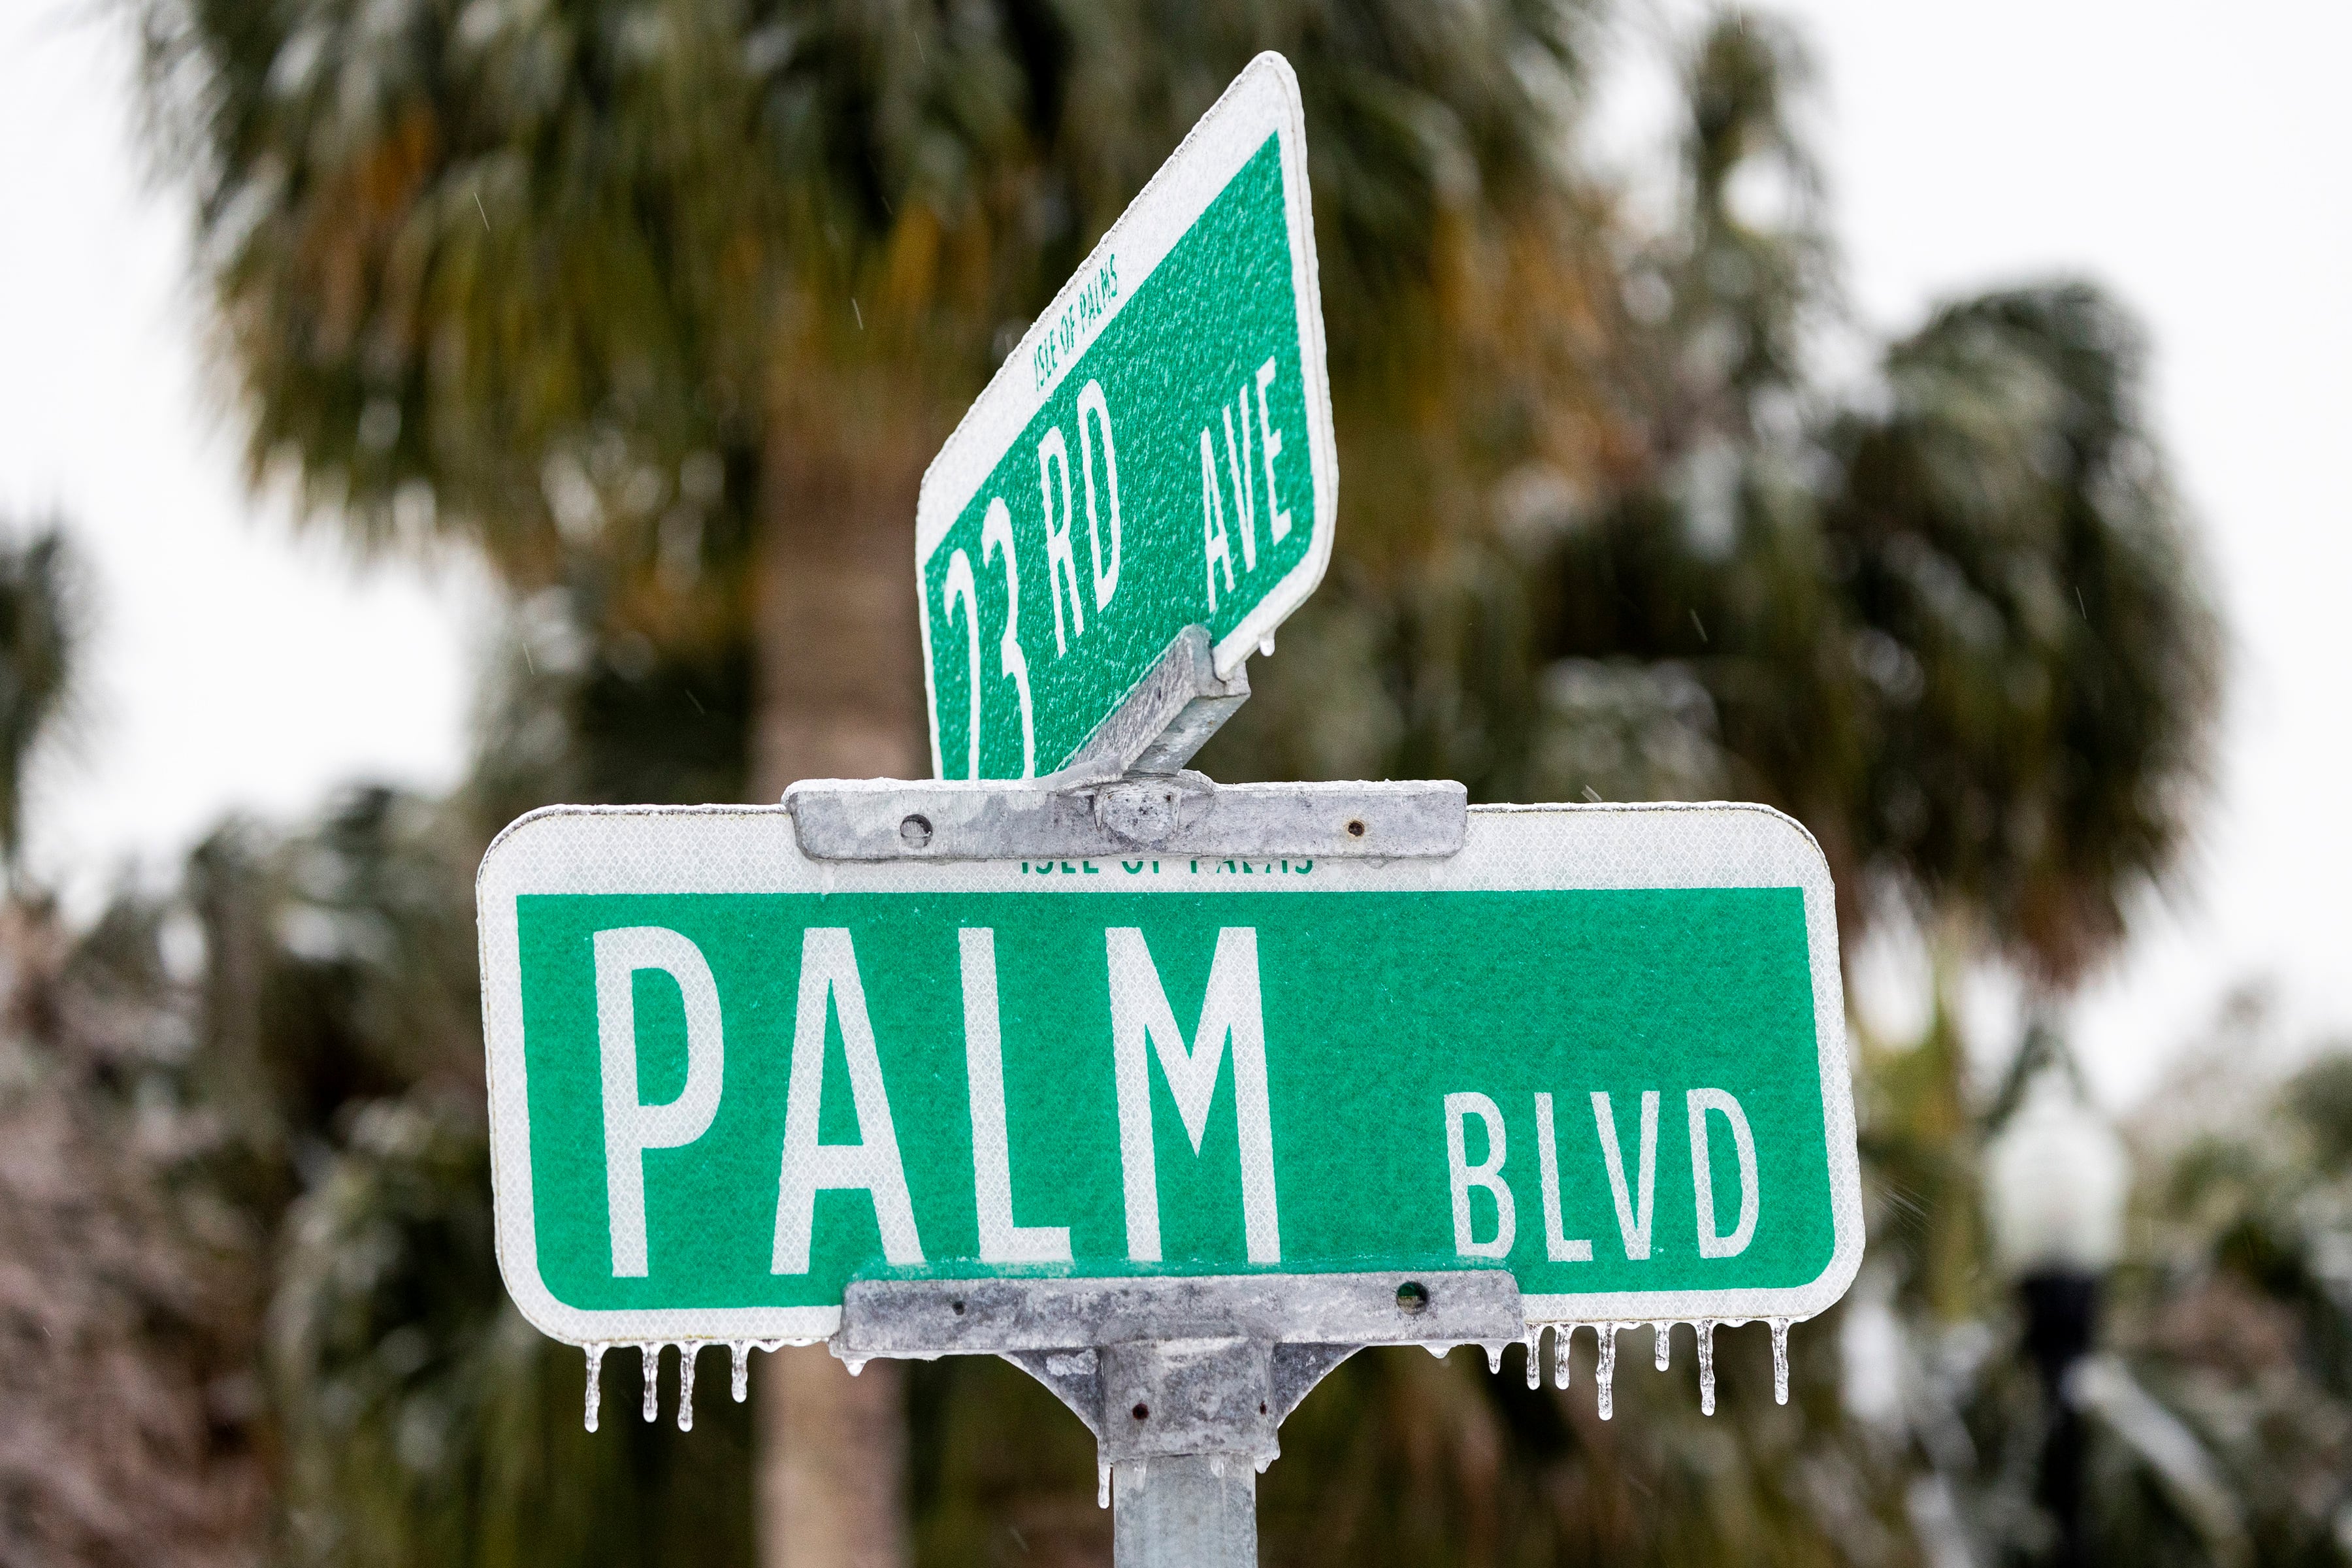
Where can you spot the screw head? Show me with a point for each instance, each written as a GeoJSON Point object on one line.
{"type": "Point", "coordinates": [916, 831]}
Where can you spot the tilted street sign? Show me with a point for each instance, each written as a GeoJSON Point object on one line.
{"type": "Point", "coordinates": [1156, 454]}
{"type": "Point", "coordinates": [1596, 1056]}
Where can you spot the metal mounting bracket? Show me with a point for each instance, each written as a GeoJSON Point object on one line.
{"type": "Point", "coordinates": [1169, 715]}
{"type": "Point", "coordinates": [1159, 1367]}
{"type": "Point", "coordinates": [1127, 793]}
{"type": "Point", "coordinates": [1172, 813]}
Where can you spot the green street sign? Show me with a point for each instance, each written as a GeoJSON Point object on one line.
{"type": "Point", "coordinates": [1600, 1048]}
{"type": "Point", "coordinates": [1156, 454]}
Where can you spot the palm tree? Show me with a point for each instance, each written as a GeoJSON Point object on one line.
{"type": "Point", "coordinates": [1958, 626]}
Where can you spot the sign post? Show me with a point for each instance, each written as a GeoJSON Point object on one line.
{"type": "Point", "coordinates": [1175, 1094]}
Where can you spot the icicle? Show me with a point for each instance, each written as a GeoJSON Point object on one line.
{"type": "Point", "coordinates": [1102, 1483]}
{"type": "Point", "coordinates": [1535, 1356]}
{"type": "Point", "coordinates": [595, 1381]}
{"type": "Point", "coordinates": [741, 1350]}
{"type": "Point", "coordinates": [1779, 1361]}
{"type": "Point", "coordinates": [649, 1361]}
{"type": "Point", "coordinates": [1607, 1371]}
{"type": "Point", "coordinates": [1263, 1460]}
{"type": "Point", "coordinates": [1662, 1337]}
{"type": "Point", "coordinates": [1561, 1338]}
{"type": "Point", "coordinates": [854, 1363]}
{"type": "Point", "coordinates": [1493, 1358]}
{"type": "Point", "coordinates": [686, 1350]}
{"type": "Point", "coordinates": [1440, 1352]}
{"type": "Point", "coordinates": [1705, 1328]}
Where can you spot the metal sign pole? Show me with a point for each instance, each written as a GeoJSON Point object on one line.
{"type": "Point", "coordinates": [1183, 1382]}
{"type": "Point", "coordinates": [1188, 1512]}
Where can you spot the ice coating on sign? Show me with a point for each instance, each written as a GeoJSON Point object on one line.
{"type": "Point", "coordinates": [595, 1380]}
{"type": "Point", "coordinates": [685, 1355]}
{"type": "Point", "coordinates": [1705, 1328]}
{"type": "Point", "coordinates": [1779, 1361]}
{"type": "Point", "coordinates": [1606, 1372]}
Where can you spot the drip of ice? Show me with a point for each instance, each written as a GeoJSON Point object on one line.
{"type": "Point", "coordinates": [854, 1363]}
{"type": "Point", "coordinates": [1560, 1336]}
{"type": "Point", "coordinates": [595, 1381]}
{"type": "Point", "coordinates": [741, 1350]}
{"type": "Point", "coordinates": [649, 1361]}
{"type": "Point", "coordinates": [1705, 1328]}
{"type": "Point", "coordinates": [1440, 1352]}
{"type": "Point", "coordinates": [1535, 1356]}
{"type": "Point", "coordinates": [1662, 1336]}
{"type": "Point", "coordinates": [1102, 1483]}
{"type": "Point", "coordinates": [686, 1350]}
{"type": "Point", "coordinates": [1779, 1361]}
{"type": "Point", "coordinates": [1217, 1465]}
{"type": "Point", "coordinates": [1607, 1371]}
{"type": "Point", "coordinates": [1493, 1357]}
{"type": "Point", "coordinates": [1263, 1462]}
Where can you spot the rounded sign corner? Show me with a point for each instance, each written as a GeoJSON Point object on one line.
{"type": "Point", "coordinates": [502, 846]}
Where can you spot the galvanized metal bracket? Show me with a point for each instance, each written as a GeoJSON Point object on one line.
{"type": "Point", "coordinates": [1173, 814]}
{"type": "Point", "coordinates": [1157, 1366]}
{"type": "Point", "coordinates": [1127, 793]}
{"type": "Point", "coordinates": [1169, 715]}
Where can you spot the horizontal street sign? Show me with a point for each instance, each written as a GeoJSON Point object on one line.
{"type": "Point", "coordinates": [1600, 1048]}
{"type": "Point", "coordinates": [1156, 454]}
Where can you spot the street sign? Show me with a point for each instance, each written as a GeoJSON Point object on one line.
{"type": "Point", "coordinates": [1599, 1048]}
{"type": "Point", "coordinates": [1156, 454]}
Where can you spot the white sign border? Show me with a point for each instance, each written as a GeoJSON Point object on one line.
{"type": "Point", "coordinates": [1262, 101]}
{"type": "Point", "coordinates": [755, 849]}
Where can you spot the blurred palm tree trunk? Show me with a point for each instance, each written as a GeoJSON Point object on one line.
{"type": "Point", "coordinates": [841, 680]}
{"type": "Point", "coordinates": [832, 1463]}
{"type": "Point", "coordinates": [840, 696]}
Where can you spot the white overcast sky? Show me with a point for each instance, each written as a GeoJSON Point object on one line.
{"type": "Point", "coordinates": [2192, 157]}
